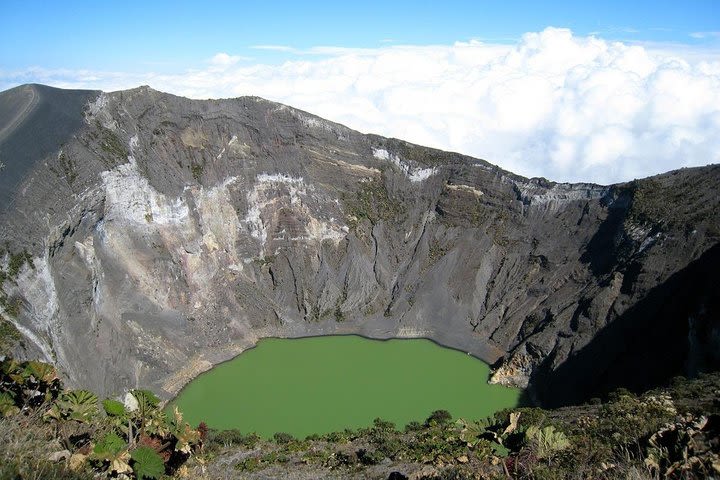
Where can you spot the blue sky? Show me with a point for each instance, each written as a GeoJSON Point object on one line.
{"type": "Point", "coordinates": [572, 91]}
{"type": "Point", "coordinates": [169, 36]}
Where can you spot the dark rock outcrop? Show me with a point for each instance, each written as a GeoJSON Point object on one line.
{"type": "Point", "coordinates": [168, 235]}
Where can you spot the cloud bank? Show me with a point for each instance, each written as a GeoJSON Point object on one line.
{"type": "Point", "coordinates": [556, 105]}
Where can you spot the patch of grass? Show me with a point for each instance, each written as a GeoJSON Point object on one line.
{"type": "Point", "coordinates": [111, 145]}
{"type": "Point", "coordinates": [371, 202]}
{"type": "Point", "coordinates": [9, 335]}
{"type": "Point", "coordinates": [436, 251]}
{"type": "Point", "coordinates": [338, 314]}
{"type": "Point", "coordinates": [266, 260]}
{"type": "Point", "coordinates": [197, 171]}
{"type": "Point", "coordinates": [678, 201]}
{"type": "Point", "coordinates": [422, 155]}
{"type": "Point", "coordinates": [16, 262]}
{"type": "Point", "coordinates": [11, 305]}
{"type": "Point", "coordinates": [27, 441]}
{"type": "Point", "coordinates": [68, 166]}
{"type": "Point", "coordinates": [249, 464]}
{"type": "Point", "coordinates": [228, 438]}
{"type": "Point", "coordinates": [464, 209]}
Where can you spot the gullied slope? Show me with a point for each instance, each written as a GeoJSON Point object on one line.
{"type": "Point", "coordinates": [166, 235]}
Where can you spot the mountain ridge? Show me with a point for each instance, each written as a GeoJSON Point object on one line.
{"type": "Point", "coordinates": [168, 234]}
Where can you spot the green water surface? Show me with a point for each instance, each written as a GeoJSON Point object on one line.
{"type": "Point", "coordinates": [325, 384]}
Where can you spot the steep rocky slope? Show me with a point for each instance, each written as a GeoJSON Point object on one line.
{"type": "Point", "coordinates": [165, 235]}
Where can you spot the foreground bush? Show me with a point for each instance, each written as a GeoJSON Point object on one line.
{"type": "Point", "coordinates": [51, 432]}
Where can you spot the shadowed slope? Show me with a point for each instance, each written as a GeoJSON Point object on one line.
{"type": "Point", "coordinates": [35, 120]}
{"type": "Point", "coordinates": [673, 330]}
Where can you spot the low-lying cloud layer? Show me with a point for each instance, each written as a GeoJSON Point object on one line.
{"type": "Point", "coordinates": [555, 105]}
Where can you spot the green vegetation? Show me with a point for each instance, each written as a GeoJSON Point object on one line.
{"type": "Point", "coordinates": [649, 202]}
{"type": "Point", "coordinates": [111, 144]}
{"type": "Point", "coordinates": [50, 432]}
{"type": "Point", "coordinates": [16, 262]}
{"type": "Point", "coordinates": [677, 201]}
{"type": "Point", "coordinates": [422, 155]}
{"type": "Point", "coordinates": [9, 336]}
{"type": "Point", "coordinates": [197, 171]}
{"type": "Point", "coordinates": [68, 166]}
{"type": "Point", "coordinates": [12, 304]}
{"type": "Point", "coordinates": [317, 385]}
{"type": "Point", "coordinates": [114, 151]}
{"type": "Point", "coordinates": [371, 202]}
{"type": "Point", "coordinates": [436, 251]}
{"type": "Point", "coordinates": [266, 260]}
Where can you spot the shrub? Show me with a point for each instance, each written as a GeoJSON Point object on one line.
{"type": "Point", "coordinates": [413, 426]}
{"type": "Point", "coordinates": [369, 457]}
{"type": "Point", "coordinates": [438, 417]}
{"type": "Point", "coordinates": [547, 441]}
{"type": "Point", "coordinates": [139, 443]}
{"type": "Point", "coordinates": [228, 438]}
{"type": "Point", "coordinates": [283, 438]}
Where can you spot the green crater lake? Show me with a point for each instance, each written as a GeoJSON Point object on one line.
{"type": "Point", "coordinates": [325, 384]}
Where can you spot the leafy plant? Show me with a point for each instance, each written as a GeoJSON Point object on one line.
{"type": "Point", "coordinates": [482, 434]}
{"type": "Point", "coordinates": [499, 449]}
{"type": "Point", "coordinates": [185, 436]}
{"type": "Point", "coordinates": [112, 452]}
{"type": "Point", "coordinates": [7, 404]}
{"type": "Point", "coordinates": [77, 405]}
{"type": "Point", "coordinates": [547, 441]}
{"type": "Point", "coordinates": [29, 383]}
{"type": "Point", "coordinates": [152, 420]}
{"type": "Point", "coordinates": [146, 463]}
{"type": "Point", "coordinates": [41, 372]}
{"type": "Point", "coordinates": [113, 408]}
{"type": "Point", "coordinates": [472, 432]}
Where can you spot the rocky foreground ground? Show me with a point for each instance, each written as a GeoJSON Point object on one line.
{"type": "Point", "coordinates": [51, 433]}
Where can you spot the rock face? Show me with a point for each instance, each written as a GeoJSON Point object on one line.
{"type": "Point", "coordinates": [165, 235]}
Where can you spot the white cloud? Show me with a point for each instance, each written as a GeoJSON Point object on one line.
{"type": "Point", "coordinates": [224, 60]}
{"type": "Point", "coordinates": [275, 48]}
{"type": "Point", "coordinates": [556, 105]}
{"type": "Point", "coordinates": [703, 35]}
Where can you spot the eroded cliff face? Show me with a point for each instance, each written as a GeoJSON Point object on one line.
{"type": "Point", "coordinates": [168, 235]}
